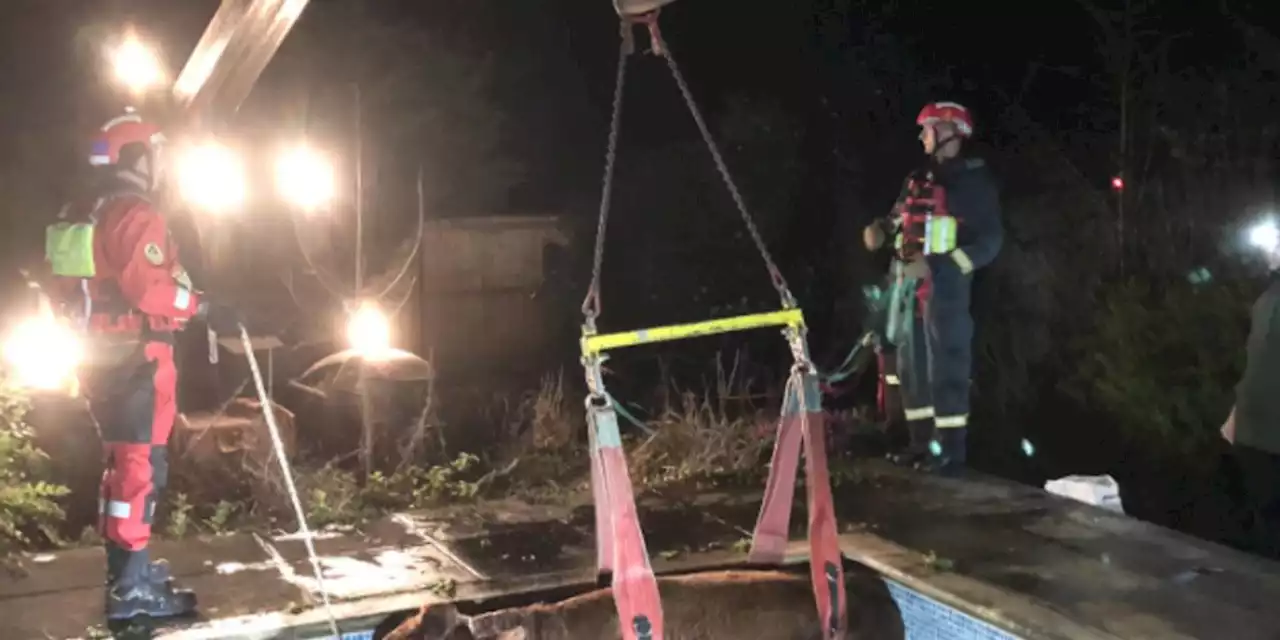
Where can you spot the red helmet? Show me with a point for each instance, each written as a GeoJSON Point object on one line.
{"type": "Point", "coordinates": [947, 112]}
{"type": "Point", "coordinates": [121, 132]}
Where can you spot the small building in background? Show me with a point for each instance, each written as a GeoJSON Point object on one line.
{"type": "Point", "coordinates": [492, 297]}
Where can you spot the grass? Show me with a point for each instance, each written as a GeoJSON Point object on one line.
{"type": "Point", "coordinates": [722, 432]}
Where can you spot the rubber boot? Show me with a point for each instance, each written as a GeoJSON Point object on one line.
{"type": "Point", "coordinates": [947, 453]}
{"type": "Point", "coordinates": [137, 587]}
{"type": "Point", "coordinates": [916, 452]}
{"type": "Point", "coordinates": [157, 570]}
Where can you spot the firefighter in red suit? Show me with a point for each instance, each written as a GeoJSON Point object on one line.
{"type": "Point", "coordinates": [946, 226]}
{"type": "Point", "coordinates": [131, 301]}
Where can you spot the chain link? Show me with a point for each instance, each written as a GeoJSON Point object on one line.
{"type": "Point", "coordinates": [591, 305]}
{"type": "Point", "coordinates": [775, 274]}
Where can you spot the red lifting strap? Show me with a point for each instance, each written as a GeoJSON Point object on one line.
{"type": "Point", "coordinates": [803, 421]}
{"type": "Point", "coordinates": [649, 21]}
{"type": "Point", "coordinates": [619, 542]}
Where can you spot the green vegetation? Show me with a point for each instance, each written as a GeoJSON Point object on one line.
{"type": "Point", "coordinates": [29, 511]}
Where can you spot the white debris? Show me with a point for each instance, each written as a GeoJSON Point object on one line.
{"type": "Point", "coordinates": [1099, 491]}
{"type": "Point", "coordinates": [228, 568]}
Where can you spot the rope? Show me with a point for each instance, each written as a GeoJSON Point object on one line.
{"type": "Point", "coordinates": [278, 444]}
{"type": "Point", "coordinates": [591, 305]}
{"type": "Point", "coordinates": [849, 365]}
{"type": "Point", "coordinates": [417, 243]}
{"type": "Point", "coordinates": [330, 282]}
{"type": "Point", "coordinates": [333, 285]}
{"type": "Point", "coordinates": [621, 410]}
{"type": "Point", "coordinates": [775, 274]}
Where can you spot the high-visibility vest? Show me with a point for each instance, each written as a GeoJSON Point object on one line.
{"type": "Point", "coordinates": [925, 226]}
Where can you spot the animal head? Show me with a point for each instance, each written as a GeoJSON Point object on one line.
{"type": "Point", "coordinates": [433, 622]}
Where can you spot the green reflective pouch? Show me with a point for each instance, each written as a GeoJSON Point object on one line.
{"type": "Point", "coordinates": [940, 235]}
{"type": "Point", "coordinates": [68, 247]}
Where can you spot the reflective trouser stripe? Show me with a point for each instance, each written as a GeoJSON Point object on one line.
{"type": "Point", "coordinates": [923, 413]}
{"type": "Point", "coordinates": [962, 260]}
{"type": "Point", "coordinates": [892, 380]}
{"type": "Point", "coordinates": [951, 422]}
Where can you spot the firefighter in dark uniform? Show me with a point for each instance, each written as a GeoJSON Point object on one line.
{"type": "Point", "coordinates": [946, 225]}
{"type": "Point", "coordinates": [116, 273]}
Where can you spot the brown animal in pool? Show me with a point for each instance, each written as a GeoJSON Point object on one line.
{"type": "Point", "coordinates": [768, 605]}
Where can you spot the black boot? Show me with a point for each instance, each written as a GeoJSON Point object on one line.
{"type": "Point", "coordinates": [138, 587]}
{"type": "Point", "coordinates": [916, 452]}
{"type": "Point", "coordinates": [947, 453]}
{"type": "Point", "coordinates": [117, 558]}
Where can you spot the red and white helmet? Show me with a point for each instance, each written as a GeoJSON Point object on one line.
{"type": "Point", "coordinates": [121, 132]}
{"type": "Point", "coordinates": [952, 112]}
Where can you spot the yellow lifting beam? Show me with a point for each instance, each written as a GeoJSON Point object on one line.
{"type": "Point", "coordinates": [594, 345]}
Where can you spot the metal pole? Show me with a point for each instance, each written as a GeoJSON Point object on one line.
{"type": "Point", "coordinates": [362, 389]}
{"type": "Point", "coordinates": [359, 195]}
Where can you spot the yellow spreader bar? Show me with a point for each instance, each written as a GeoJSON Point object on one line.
{"type": "Point", "coordinates": [594, 345]}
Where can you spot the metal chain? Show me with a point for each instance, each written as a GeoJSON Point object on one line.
{"type": "Point", "coordinates": [591, 305]}
{"type": "Point", "coordinates": [779, 282]}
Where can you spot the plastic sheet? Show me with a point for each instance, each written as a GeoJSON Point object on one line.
{"type": "Point", "coordinates": [1100, 491]}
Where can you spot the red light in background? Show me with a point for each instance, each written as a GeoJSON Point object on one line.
{"type": "Point", "coordinates": [1117, 183]}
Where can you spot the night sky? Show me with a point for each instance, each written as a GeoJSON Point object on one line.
{"type": "Point", "coordinates": [50, 77]}
{"type": "Point", "coordinates": [552, 79]}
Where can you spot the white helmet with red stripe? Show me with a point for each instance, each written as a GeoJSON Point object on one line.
{"type": "Point", "coordinates": [121, 132]}
{"type": "Point", "coordinates": [952, 112]}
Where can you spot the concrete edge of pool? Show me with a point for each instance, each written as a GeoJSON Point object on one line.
{"type": "Point", "coordinates": [1024, 563]}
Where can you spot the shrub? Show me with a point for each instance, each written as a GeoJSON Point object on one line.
{"type": "Point", "coordinates": [1163, 359]}
{"type": "Point", "coordinates": [28, 503]}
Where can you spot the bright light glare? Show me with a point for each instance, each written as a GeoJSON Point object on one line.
{"type": "Point", "coordinates": [211, 177]}
{"type": "Point", "coordinates": [42, 353]}
{"type": "Point", "coordinates": [305, 178]}
{"type": "Point", "coordinates": [1265, 235]}
{"type": "Point", "coordinates": [369, 331]}
{"type": "Point", "coordinates": [136, 65]}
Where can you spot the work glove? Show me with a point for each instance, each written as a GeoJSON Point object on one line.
{"type": "Point", "coordinates": [917, 269]}
{"type": "Point", "coordinates": [873, 236]}
{"type": "Point", "coordinates": [220, 318]}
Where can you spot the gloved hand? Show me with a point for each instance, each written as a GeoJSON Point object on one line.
{"type": "Point", "coordinates": [221, 318]}
{"type": "Point", "coordinates": [873, 236]}
{"type": "Point", "coordinates": [917, 269]}
{"type": "Point", "coordinates": [1229, 428]}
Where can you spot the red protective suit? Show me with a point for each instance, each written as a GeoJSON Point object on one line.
{"type": "Point", "coordinates": [138, 298]}
{"type": "Point", "coordinates": [117, 273]}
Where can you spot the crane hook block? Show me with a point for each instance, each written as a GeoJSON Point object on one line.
{"type": "Point", "coordinates": [637, 8]}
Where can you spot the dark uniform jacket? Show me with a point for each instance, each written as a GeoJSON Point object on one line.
{"type": "Point", "coordinates": [972, 197]}
{"type": "Point", "coordinates": [974, 200]}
